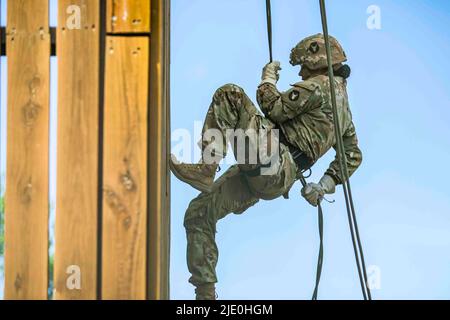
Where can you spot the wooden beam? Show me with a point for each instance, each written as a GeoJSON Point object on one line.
{"type": "Point", "coordinates": [27, 205]}
{"type": "Point", "coordinates": [128, 16]}
{"type": "Point", "coordinates": [76, 238]}
{"type": "Point", "coordinates": [125, 168]}
{"type": "Point", "coordinates": [159, 137]}
{"type": "Point", "coordinates": [3, 41]}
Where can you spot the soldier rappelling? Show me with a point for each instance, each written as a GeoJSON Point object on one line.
{"type": "Point", "coordinates": [300, 119]}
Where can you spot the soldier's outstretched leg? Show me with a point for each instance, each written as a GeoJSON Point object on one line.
{"type": "Point", "coordinates": [230, 194]}
{"type": "Point", "coordinates": [230, 109]}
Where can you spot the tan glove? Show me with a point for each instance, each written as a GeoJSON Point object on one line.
{"type": "Point", "coordinates": [314, 192]}
{"type": "Point", "coordinates": [270, 73]}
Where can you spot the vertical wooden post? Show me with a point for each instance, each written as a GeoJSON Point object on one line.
{"type": "Point", "coordinates": [27, 205]}
{"type": "Point", "coordinates": [132, 177]}
{"type": "Point", "coordinates": [124, 244]}
{"type": "Point", "coordinates": [159, 133]}
{"type": "Point", "coordinates": [125, 169]}
{"type": "Point", "coordinates": [76, 240]}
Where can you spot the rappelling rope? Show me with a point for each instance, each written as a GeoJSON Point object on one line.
{"type": "Point", "coordinates": [356, 241]}
{"type": "Point", "coordinates": [302, 178]}
{"type": "Point", "coordinates": [359, 255]}
{"type": "Point", "coordinates": [269, 27]}
{"type": "Point", "coordinates": [320, 255]}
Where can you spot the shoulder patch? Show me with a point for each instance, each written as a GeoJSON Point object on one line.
{"type": "Point", "coordinates": [294, 95]}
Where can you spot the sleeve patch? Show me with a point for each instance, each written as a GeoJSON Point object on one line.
{"type": "Point", "coordinates": [294, 95]}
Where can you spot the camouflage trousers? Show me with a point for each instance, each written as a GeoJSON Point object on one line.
{"type": "Point", "coordinates": [235, 191]}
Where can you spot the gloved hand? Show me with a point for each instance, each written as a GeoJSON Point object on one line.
{"type": "Point", "coordinates": [314, 192]}
{"type": "Point", "coordinates": [270, 73]}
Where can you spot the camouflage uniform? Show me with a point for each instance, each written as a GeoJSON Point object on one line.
{"type": "Point", "coordinates": [304, 116]}
{"type": "Point", "coordinates": [235, 191]}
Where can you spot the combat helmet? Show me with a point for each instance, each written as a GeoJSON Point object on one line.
{"type": "Point", "coordinates": [311, 52]}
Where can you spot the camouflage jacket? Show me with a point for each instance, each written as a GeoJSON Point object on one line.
{"type": "Point", "coordinates": [304, 115]}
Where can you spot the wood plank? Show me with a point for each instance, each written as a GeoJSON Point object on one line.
{"type": "Point", "coordinates": [128, 16]}
{"type": "Point", "coordinates": [76, 237]}
{"type": "Point", "coordinates": [27, 204]}
{"type": "Point", "coordinates": [159, 133]}
{"type": "Point", "coordinates": [125, 168]}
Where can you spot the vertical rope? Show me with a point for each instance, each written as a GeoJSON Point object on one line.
{"type": "Point", "coordinates": [320, 255]}
{"type": "Point", "coordinates": [302, 178]}
{"type": "Point", "coordinates": [357, 246]}
{"type": "Point", "coordinates": [269, 27]}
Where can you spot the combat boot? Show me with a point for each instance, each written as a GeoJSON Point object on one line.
{"type": "Point", "coordinates": [206, 292]}
{"type": "Point", "coordinates": [200, 175]}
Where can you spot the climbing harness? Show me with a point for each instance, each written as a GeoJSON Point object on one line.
{"type": "Point", "coordinates": [356, 241]}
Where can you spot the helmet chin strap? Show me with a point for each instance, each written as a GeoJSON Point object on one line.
{"type": "Point", "coordinates": [305, 73]}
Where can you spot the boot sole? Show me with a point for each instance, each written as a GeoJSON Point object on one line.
{"type": "Point", "coordinates": [203, 187]}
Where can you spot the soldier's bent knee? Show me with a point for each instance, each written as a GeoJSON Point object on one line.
{"type": "Point", "coordinates": [230, 93]}
{"type": "Point", "coordinates": [230, 87]}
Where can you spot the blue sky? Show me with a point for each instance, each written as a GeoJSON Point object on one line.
{"type": "Point", "coordinates": [399, 93]}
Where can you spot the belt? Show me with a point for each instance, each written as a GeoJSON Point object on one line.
{"type": "Point", "coordinates": [302, 161]}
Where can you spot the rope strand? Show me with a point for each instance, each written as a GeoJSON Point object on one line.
{"type": "Point", "coordinates": [357, 246]}
{"type": "Point", "coordinates": [269, 27]}
{"type": "Point", "coordinates": [351, 214]}
{"type": "Point", "coordinates": [320, 255]}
